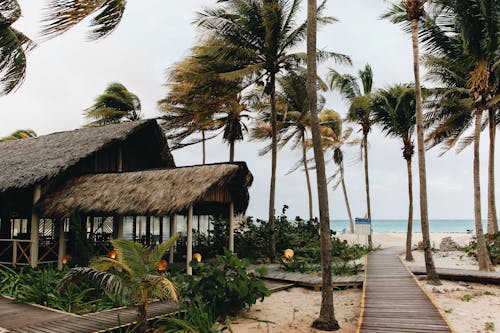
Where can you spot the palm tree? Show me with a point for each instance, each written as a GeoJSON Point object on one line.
{"type": "Point", "coordinates": [359, 112]}
{"type": "Point", "coordinates": [114, 105]}
{"type": "Point", "coordinates": [326, 319]}
{"type": "Point", "coordinates": [257, 37]}
{"type": "Point", "coordinates": [200, 100]}
{"type": "Point", "coordinates": [394, 110]}
{"type": "Point", "coordinates": [20, 134]}
{"type": "Point", "coordinates": [334, 138]}
{"type": "Point", "coordinates": [13, 48]}
{"type": "Point", "coordinates": [455, 64]}
{"type": "Point", "coordinates": [134, 274]}
{"type": "Point", "coordinates": [63, 15]}
{"type": "Point", "coordinates": [414, 10]}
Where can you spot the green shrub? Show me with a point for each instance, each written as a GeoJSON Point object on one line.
{"type": "Point", "coordinates": [493, 245]}
{"type": "Point", "coordinates": [42, 287]}
{"type": "Point", "coordinates": [195, 317]}
{"type": "Point", "coordinates": [225, 285]}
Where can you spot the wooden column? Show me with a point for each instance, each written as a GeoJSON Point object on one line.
{"type": "Point", "coordinates": [189, 243]}
{"type": "Point", "coordinates": [231, 227]}
{"type": "Point", "coordinates": [61, 249]}
{"type": "Point", "coordinates": [148, 230]}
{"type": "Point", "coordinates": [160, 240]}
{"type": "Point", "coordinates": [35, 220]}
{"type": "Point", "coordinates": [118, 227]}
{"type": "Point", "coordinates": [173, 231]}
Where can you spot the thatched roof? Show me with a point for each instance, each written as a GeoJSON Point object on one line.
{"type": "Point", "coordinates": [26, 162]}
{"type": "Point", "coordinates": [157, 192]}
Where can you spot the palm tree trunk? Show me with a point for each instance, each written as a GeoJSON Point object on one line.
{"type": "Point", "coordinates": [231, 151]}
{"type": "Point", "coordinates": [351, 225]}
{"type": "Point", "coordinates": [274, 154]}
{"type": "Point", "coordinates": [424, 218]}
{"type": "Point", "coordinates": [308, 180]}
{"type": "Point", "coordinates": [141, 318]}
{"type": "Point", "coordinates": [492, 209]}
{"type": "Point", "coordinates": [483, 257]}
{"type": "Point", "coordinates": [326, 319]}
{"type": "Point", "coordinates": [409, 256]}
{"type": "Point", "coordinates": [203, 148]}
{"type": "Point", "coordinates": [367, 185]}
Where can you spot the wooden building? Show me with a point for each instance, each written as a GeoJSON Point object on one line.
{"type": "Point", "coordinates": [109, 173]}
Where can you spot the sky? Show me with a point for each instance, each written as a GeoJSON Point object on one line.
{"type": "Point", "coordinates": [66, 73]}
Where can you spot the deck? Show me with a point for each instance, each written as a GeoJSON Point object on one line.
{"type": "Point", "coordinates": [464, 275]}
{"type": "Point", "coordinates": [15, 317]}
{"type": "Point", "coordinates": [313, 281]}
{"type": "Point", "coordinates": [393, 301]}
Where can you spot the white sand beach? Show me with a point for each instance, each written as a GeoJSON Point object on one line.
{"type": "Point", "coordinates": [294, 310]}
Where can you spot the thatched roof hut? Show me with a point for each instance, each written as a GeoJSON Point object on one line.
{"type": "Point", "coordinates": [156, 192]}
{"type": "Point", "coordinates": [26, 162]}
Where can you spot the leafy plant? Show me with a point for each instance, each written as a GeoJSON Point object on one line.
{"type": "Point", "coordinates": [492, 244]}
{"type": "Point", "coordinates": [489, 326]}
{"type": "Point", "coordinates": [195, 317]}
{"type": "Point", "coordinates": [133, 274]}
{"type": "Point", "coordinates": [466, 297]}
{"type": "Point", "coordinates": [226, 285]}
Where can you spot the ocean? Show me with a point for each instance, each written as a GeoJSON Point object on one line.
{"type": "Point", "coordinates": [441, 225]}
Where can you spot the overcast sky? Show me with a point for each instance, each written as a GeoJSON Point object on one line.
{"type": "Point", "coordinates": [66, 74]}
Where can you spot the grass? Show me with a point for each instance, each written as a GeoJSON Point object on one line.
{"type": "Point", "coordinates": [466, 297]}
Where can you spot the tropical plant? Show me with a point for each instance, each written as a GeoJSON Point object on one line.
{"type": "Point", "coordinates": [133, 274]}
{"type": "Point", "coordinates": [13, 48]}
{"type": "Point", "coordinates": [62, 15]}
{"type": "Point", "coordinates": [474, 23]}
{"type": "Point", "coordinates": [114, 105]}
{"type": "Point", "coordinates": [359, 98]}
{"type": "Point", "coordinates": [226, 285]}
{"type": "Point", "coordinates": [200, 100]}
{"type": "Point", "coordinates": [257, 37]}
{"type": "Point", "coordinates": [326, 319]}
{"type": "Point", "coordinates": [20, 134]}
{"type": "Point", "coordinates": [334, 137]}
{"type": "Point", "coordinates": [412, 11]}
{"type": "Point", "coordinates": [394, 111]}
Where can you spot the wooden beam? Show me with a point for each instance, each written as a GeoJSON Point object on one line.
{"type": "Point", "coordinates": [173, 231]}
{"type": "Point", "coordinates": [231, 227]}
{"type": "Point", "coordinates": [189, 243]}
{"type": "Point", "coordinates": [120, 159]}
{"type": "Point", "coordinates": [61, 249]}
{"type": "Point", "coordinates": [35, 221]}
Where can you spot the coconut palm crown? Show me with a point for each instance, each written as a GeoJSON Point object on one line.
{"type": "Point", "coordinates": [13, 48]}
{"type": "Point", "coordinates": [133, 274]}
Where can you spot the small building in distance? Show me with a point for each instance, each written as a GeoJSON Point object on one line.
{"type": "Point", "coordinates": [106, 179]}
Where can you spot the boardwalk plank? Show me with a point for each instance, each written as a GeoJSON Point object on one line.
{"type": "Point", "coordinates": [394, 302]}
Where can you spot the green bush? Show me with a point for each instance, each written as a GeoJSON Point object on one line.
{"type": "Point", "coordinates": [493, 245]}
{"type": "Point", "coordinates": [42, 287]}
{"type": "Point", "coordinates": [225, 285]}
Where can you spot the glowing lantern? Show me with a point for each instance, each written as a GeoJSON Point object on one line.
{"type": "Point", "coordinates": [288, 254]}
{"type": "Point", "coordinates": [65, 260]}
{"type": "Point", "coordinates": [161, 266]}
{"type": "Point", "coordinates": [197, 256]}
{"type": "Point", "coordinates": [112, 254]}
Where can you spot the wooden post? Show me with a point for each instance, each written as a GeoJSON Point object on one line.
{"type": "Point", "coordinates": [117, 227]}
{"type": "Point", "coordinates": [119, 161]}
{"type": "Point", "coordinates": [160, 238]}
{"type": "Point", "coordinates": [14, 253]}
{"type": "Point", "coordinates": [148, 230]}
{"type": "Point", "coordinates": [231, 227]}
{"type": "Point", "coordinates": [61, 248]}
{"type": "Point", "coordinates": [173, 231]}
{"type": "Point", "coordinates": [189, 243]}
{"type": "Point", "coordinates": [35, 221]}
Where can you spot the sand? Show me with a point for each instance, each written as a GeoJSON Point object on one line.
{"type": "Point", "coordinates": [294, 310]}
{"type": "Point", "coordinates": [468, 314]}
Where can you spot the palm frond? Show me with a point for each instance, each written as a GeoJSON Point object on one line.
{"type": "Point", "coordinates": [109, 282]}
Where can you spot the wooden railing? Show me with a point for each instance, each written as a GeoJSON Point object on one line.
{"type": "Point", "coordinates": [20, 250]}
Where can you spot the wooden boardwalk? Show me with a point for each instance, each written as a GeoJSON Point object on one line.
{"type": "Point", "coordinates": [393, 301]}
{"type": "Point", "coordinates": [33, 319]}
{"type": "Point", "coordinates": [275, 273]}
{"type": "Point", "coordinates": [464, 275]}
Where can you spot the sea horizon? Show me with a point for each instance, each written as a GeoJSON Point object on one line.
{"type": "Point", "coordinates": [400, 225]}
